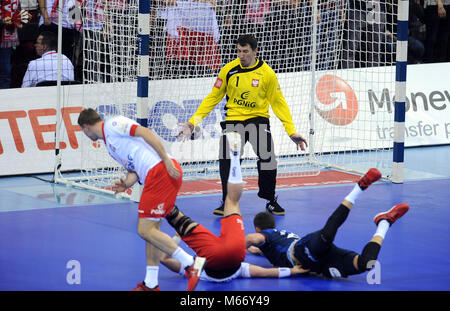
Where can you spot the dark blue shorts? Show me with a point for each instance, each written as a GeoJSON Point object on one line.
{"type": "Point", "coordinates": [339, 263]}
{"type": "Point", "coordinates": [325, 258]}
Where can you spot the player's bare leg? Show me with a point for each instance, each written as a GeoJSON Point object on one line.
{"type": "Point", "coordinates": [148, 229]}
{"type": "Point", "coordinates": [153, 255]}
{"type": "Point", "coordinates": [235, 184]}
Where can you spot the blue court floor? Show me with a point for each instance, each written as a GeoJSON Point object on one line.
{"type": "Point", "coordinates": [48, 231]}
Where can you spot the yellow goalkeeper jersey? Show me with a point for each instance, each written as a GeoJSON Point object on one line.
{"type": "Point", "coordinates": [249, 92]}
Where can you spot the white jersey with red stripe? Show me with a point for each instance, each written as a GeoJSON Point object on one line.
{"type": "Point", "coordinates": [132, 152]}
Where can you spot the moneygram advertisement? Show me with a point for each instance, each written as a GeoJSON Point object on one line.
{"type": "Point", "coordinates": [342, 106]}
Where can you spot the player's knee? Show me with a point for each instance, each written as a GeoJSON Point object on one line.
{"type": "Point", "coordinates": [365, 263]}
{"type": "Point", "coordinates": [147, 228]}
{"type": "Point", "coordinates": [189, 227]}
{"type": "Point", "coordinates": [141, 232]}
{"type": "Point", "coordinates": [182, 224]}
{"type": "Point", "coordinates": [174, 213]}
{"type": "Point", "coordinates": [368, 255]}
{"type": "Point", "coordinates": [326, 236]}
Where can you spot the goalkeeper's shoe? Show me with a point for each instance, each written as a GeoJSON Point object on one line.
{"type": "Point", "coordinates": [220, 210]}
{"type": "Point", "coordinates": [274, 208]}
{"type": "Point", "coordinates": [369, 178]}
{"type": "Point", "coordinates": [393, 214]}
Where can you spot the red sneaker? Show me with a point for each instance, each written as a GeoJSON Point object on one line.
{"type": "Point", "coordinates": [193, 272]}
{"type": "Point", "coordinates": [141, 287]}
{"type": "Point", "coordinates": [370, 177]}
{"type": "Point", "coordinates": [393, 214]}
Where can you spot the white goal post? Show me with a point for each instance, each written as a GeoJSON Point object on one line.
{"type": "Point", "coordinates": [155, 61]}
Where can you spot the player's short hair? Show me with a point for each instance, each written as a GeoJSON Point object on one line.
{"type": "Point", "coordinates": [247, 39]}
{"type": "Point", "coordinates": [264, 221]}
{"type": "Point", "coordinates": [49, 39]}
{"type": "Point", "coordinates": [88, 117]}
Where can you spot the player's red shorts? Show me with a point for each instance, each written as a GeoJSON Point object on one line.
{"type": "Point", "coordinates": [221, 252]}
{"type": "Point", "coordinates": [160, 192]}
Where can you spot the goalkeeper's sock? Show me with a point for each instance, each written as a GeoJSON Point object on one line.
{"type": "Point", "coordinates": [184, 258]}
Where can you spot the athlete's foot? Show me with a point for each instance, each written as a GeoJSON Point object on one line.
{"type": "Point", "coordinates": [369, 178]}
{"type": "Point", "coordinates": [274, 208]}
{"type": "Point", "coordinates": [193, 272]}
{"type": "Point", "coordinates": [219, 211]}
{"type": "Point", "coordinates": [393, 214]}
{"type": "Point", "coordinates": [141, 287]}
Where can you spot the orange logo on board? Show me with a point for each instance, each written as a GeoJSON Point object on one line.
{"type": "Point", "coordinates": [337, 101]}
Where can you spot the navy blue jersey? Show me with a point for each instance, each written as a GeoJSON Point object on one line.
{"type": "Point", "coordinates": [331, 261]}
{"type": "Point", "coordinates": [276, 246]}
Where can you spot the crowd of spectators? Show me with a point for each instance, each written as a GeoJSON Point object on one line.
{"type": "Point", "coordinates": [192, 49]}
{"type": "Point", "coordinates": [31, 59]}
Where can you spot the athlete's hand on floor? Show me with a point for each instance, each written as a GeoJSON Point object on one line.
{"type": "Point", "coordinates": [298, 270]}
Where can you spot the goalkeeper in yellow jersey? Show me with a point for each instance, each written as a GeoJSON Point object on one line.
{"type": "Point", "coordinates": [250, 86]}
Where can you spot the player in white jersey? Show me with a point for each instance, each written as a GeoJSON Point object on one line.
{"type": "Point", "coordinates": [141, 152]}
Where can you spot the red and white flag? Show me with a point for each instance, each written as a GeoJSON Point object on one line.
{"type": "Point", "coordinates": [193, 33]}
{"type": "Point", "coordinates": [9, 33]}
{"type": "Point", "coordinates": [256, 11]}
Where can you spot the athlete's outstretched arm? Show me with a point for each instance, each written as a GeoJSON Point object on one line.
{"type": "Point", "coordinates": [206, 106]}
{"type": "Point", "coordinates": [260, 272]}
{"type": "Point", "coordinates": [153, 140]}
{"type": "Point", "coordinates": [254, 239]}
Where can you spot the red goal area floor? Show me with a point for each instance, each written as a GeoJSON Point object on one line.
{"type": "Point", "coordinates": [211, 186]}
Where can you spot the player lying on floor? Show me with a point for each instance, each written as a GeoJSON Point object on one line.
{"type": "Point", "coordinates": [224, 253]}
{"type": "Point", "coordinates": [315, 252]}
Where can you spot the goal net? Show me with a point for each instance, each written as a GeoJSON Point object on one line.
{"type": "Point", "coordinates": [334, 60]}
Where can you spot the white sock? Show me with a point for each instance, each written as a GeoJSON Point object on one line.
{"type": "Point", "coordinates": [354, 194]}
{"type": "Point", "coordinates": [235, 176]}
{"type": "Point", "coordinates": [184, 258]}
{"type": "Point", "coordinates": [182, 271]}
{"type": "Point", "coordinates": [382, 228]}
{"type": "Point", "coordinates": [151, 276]}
